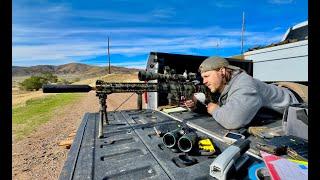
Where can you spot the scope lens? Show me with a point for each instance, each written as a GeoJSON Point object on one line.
{"type": "Point", "coordinates": [168, 140]}
{"type": "Point", "coordinates": [184, 144]}
{"type": "Point", "coordinates": [141, 76]}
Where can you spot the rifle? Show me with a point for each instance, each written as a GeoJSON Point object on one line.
{"type": "Point", "coordinates": [102, 89]}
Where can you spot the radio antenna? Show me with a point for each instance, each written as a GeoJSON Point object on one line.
{"type": "Point", "coordinates": [109, 56]}
{"type": "Point", "coordinates": [242, 32]}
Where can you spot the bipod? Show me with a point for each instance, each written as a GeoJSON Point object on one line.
{"type": "Point", "coordinates": [103, 112]}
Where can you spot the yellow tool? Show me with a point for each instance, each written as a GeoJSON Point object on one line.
{"type": "Point", "coordinates": [206, 144]}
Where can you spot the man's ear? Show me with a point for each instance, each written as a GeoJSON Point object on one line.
{"type": "Point", "coordinates": [223, 71]}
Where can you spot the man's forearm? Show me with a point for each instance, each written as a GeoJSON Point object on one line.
{"type": "Point", "coordinates": [212, 107]}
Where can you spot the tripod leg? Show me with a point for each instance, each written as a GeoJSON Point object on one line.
{"type": "Point", "coordinates": [104, 109]}
{"type": "Point", "coordinates": [103, 113]}
{"type": "Point", "coordinates": [106, 115]}
{"type": "Point", "coordinates": [139, 101]}
{"type": "Point", "coordinates": [100, 135]}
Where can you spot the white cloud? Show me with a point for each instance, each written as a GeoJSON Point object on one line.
{"type": "Point", "coordinates": [36, 44]}
{"type": "Point", "coordinates": [47, 13]}
{"type": "Point", "coordinates": [140, 64]}
{"type": "Point", "coordinates": [39, 37]}
{"type": "Point", "coordinates": [225, 4]}
{"type": "Point", "coordinates": [38, 31]}
{"type": "Point", "coordinates": [280, 1]}
{"type": "Point", "coordinates": [277, 29]}
{"type": "Point", "coordinates": [163, 13]}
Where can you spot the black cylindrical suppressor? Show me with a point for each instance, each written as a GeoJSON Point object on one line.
{"type": "Point", "coordinates": [65, 88]}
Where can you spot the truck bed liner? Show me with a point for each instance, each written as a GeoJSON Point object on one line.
{"type": "Point", "coordinates": [131, 150]}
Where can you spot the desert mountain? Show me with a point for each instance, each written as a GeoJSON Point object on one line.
{"type": "Point", "coordinates": [71, 68]}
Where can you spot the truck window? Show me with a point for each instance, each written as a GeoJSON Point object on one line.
{"type": "Point", "coordinates": [300, 33]}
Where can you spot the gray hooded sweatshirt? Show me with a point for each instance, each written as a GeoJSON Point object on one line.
{"type": "Point", "coordinates": [243, 96]}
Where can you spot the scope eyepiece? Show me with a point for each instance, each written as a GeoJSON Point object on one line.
{"type": "Point", "coordinates": [170, 139]}
{"type": "Point", "coordinates": [178, 138]}
{"type": "Point", "coordinates": [187, 142]}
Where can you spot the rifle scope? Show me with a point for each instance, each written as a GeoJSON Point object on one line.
{"type": "Point", "coordinates": [147, 76]}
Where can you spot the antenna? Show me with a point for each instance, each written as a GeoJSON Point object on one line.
{"type": "Point", "coordinates": [109, 56]}
{"type": "Point", "coordinates": [217, 46]}
{"type": "Point", "coordinates": [242, 32]}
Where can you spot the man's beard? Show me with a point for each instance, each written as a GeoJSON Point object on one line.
{"type": "Point", "coordinates": [213, 90]}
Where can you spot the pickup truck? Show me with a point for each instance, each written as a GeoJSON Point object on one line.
{"type": "Point", "coordinates": [132, 148]}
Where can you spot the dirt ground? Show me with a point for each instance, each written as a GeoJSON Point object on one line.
{"type": "Point", "coordinates": [38, 156]}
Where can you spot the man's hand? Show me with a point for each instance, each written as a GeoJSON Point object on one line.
{"type": "Point", "coordinates": [212, 107]}
{"type": "Point", "coordinates": [189, 103]}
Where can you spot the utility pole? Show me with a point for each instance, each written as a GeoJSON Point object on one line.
{"type": "Point", "coordinates": [242, 32]}
{"type": "Point", "coordinates": [109, 56]}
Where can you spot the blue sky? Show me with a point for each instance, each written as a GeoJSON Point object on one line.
{"type": "Point", "coordinates": [60, 32]}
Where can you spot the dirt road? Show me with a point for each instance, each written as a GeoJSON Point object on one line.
{"type": "Point", "coordinates": [38, 156]}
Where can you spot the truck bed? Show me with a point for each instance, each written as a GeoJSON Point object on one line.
{"type": "Point", "coordinates": [130, 148]}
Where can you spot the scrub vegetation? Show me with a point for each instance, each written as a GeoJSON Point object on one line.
{"type": "Point", "coordinates": [37, 112]}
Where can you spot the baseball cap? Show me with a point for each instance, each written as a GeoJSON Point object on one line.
{"type": "Point", "coordinates": [214, 63]}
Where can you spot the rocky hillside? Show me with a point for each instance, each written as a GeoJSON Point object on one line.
{"type": "Point", "coordinates": [71, 68]}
